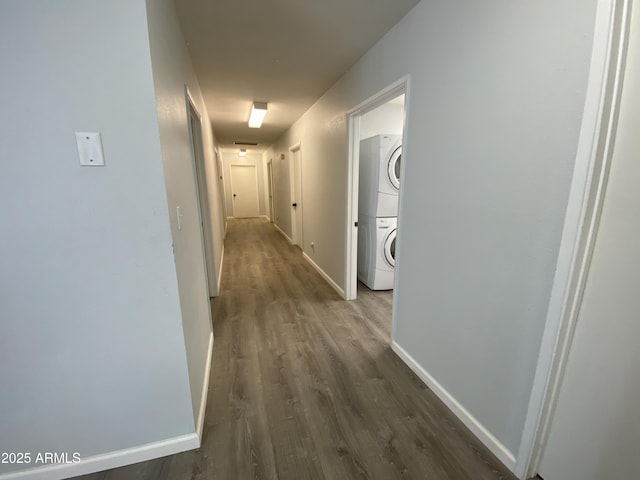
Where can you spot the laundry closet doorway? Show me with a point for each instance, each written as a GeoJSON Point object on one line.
{"type": "Point", "coordinates": [376, 136]}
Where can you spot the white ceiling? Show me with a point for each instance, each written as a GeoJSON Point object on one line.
{"type": "Point", "coordinates": [284, 52]}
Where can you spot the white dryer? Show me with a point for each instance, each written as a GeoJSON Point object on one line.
{"type": "Point", "coordinates": [379, 186]}
{"type": "Point", "coordinates": [377, 251]}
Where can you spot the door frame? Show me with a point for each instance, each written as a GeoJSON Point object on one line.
{"type": "Point", "coordinates": [399, 87]}
{"type": "Point", "coordinates": [250, 165]}
{"type": "Point", "coordinates": [222, 191]}
{"type": "Point", "coordinates": [202, 195]}
{"type": "Point", "coordinates": [272, 207]}
{"type": "Point", "coordinates": [294, 177]}
{"type": "Point", "coordinates": [593, 158]}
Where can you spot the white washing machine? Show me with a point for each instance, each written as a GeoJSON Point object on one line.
{"type": "Point", "coordinates": [377, 251]}
{"type": "Point", "coordinates": [379, 186]}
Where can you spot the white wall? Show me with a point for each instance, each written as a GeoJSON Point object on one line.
{"type": "Point", "coordinates": [596, 427]}
{"type": "Point", "coordinates": [172, 70]}
{"type": "Point", "coordinates": [230, 157]}
{"type": "Point", "coordinates": [494, 110]}
{"type": "Point", "coordinates": [385, 119]}
{"type": "Point", "coordinates": [92, 352]}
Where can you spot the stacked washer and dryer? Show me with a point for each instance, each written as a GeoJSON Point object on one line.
{"type": "Point", "coordinates": [379, 190]}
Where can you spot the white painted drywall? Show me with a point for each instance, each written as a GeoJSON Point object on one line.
{"type": "Point", "coordinates": [92, 352]}
{"type": "Point", "coordinates": [172, 70]}
{"type": "Point", "coordinates": [385, 119]}
{"type": "Point", "coordinates": [494, 111]}
{"type": "Point", "coordinates": [229, 157]}
{"type": "Point", "coordinates": [595, 430]}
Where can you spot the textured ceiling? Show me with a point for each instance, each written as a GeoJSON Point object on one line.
{"type": "Point", "coordinates": [284, 52]}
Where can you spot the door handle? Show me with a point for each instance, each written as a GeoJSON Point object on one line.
{"type": "Point", "coordinates": [294, 205]}
{"type": "Point", "coordinates": [234, 195]}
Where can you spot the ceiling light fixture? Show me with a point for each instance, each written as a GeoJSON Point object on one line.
{"type": "Point", "coordinates": [242, 152]}
{"type": "Point", "coordinates": [258, 111]}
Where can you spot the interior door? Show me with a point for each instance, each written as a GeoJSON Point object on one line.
{"type": "Point", "coordinates": [297, 202]}
{"type": "Point", "coordinates": [595, 429]}
{"type": "Point", "coordinates": [270, 187]}
{"type": "Point", "coordinates": [244, 191]}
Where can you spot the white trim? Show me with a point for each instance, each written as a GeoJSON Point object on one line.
{"type": "Point", "coordinates": [398, 87]}
{"type": "Point", "coordinates": [381, 97]}
{"type": "Point", "coordinates": [220, 269]}
{"type": "Point", "coordinates": [110, 460]}
{"type": "Point", "coordinates": [351, 240]}
{"type": "Point", "coordinates": [283, 234]}
{"type": "Point", "coordinates": [266, 217]}
{"type": "Point", "coordinates": [472, 423]}
{"type": "Point", "coordinates": [269, 190]}
{"type": "Point", "coordinates": [580, 226]}
{"type": "Point", "coordinates": [187, 93]}
{"type": "Point", "coordinates": [205, 389]}
{"type": "Point", "coordinates": [324, 274]}
{"type": "Point", "coordinates": [222, 190]}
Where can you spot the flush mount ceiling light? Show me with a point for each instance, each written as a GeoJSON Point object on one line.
{"type": "Point", "coordinates": [242, 152]}
{"type": "Point", "coordinates": [258, 111]}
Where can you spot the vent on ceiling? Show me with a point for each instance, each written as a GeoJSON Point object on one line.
{"type": "Point", "coordinates": [249, 144]}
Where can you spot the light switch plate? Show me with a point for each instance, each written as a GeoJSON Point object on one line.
{"type": "Point", "coordinates": [90, 149]}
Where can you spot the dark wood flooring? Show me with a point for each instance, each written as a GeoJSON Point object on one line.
{"type": "Point", "coordinates": [305, 386]}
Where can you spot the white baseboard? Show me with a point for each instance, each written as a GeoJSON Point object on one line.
{"type": "Point", "coordinates": [205, 390]}
{"type": "Point", "coordinates": [329, 280]}
{"type": "Point", "coordinates": [265, 216]}
{"type": "Point", "coordinates": [472, 423]}
{"type": "Point", "coordinates": [283, 234]}
{"type": "Point", "coordinates": [107, 461]}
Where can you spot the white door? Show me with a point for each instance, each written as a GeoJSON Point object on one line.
{"type": "Point", "coordinates": [270, 188]}
{"type": "Point", "coordinates": [296, 201]}
{"type": "Point", "coordinates": [244, 191]}
{"type": "Point", "coordinates": [595, 430]}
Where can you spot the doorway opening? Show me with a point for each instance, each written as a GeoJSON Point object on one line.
{"type": "Point", "coordinates": [270, 199]}
{"type": "Point", "coordinates": [377, 137]}
{"type": "Point", "coordinates": [603, 104]}
{"type": "Point", "coordinates": [295, 165]}
{"type": "Point", "coordinates": [200, 178]}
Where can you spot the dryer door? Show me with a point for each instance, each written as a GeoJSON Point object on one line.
{"type": "Point", "coordinates": [390, 248]}
{"type": "Point", "coordinates": [393, 167]}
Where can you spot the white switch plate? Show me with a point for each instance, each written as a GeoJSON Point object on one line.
{"type": "Point", "coordinates": [90, 149]}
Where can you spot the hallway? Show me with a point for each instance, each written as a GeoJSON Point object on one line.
{"type": "Point", "coordinates": [305, 386]}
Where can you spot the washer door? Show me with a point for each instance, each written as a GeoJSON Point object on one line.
{"type": "Point", "coordinates": [390, 248]}
{"type": "Point", "coordinates": [393, 167]}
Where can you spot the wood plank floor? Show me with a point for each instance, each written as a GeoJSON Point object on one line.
{"type": "Point", "coordinates": [305, 386]}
